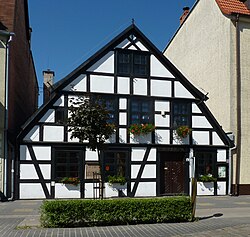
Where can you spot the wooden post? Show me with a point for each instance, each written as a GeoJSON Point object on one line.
{"type": "Point", "coordinates": [193, 196]}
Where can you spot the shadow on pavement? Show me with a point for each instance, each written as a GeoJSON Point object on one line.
{"type": "Point", "coordinates": [208, 217]}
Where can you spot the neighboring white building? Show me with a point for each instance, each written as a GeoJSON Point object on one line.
{"type": "Point", "coordinates": [212, 49]}
{"type": "Point", "coordinates": [140, 86]}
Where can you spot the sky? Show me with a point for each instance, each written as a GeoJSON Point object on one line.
{"type": "Point", "coordinates": [65, 33]}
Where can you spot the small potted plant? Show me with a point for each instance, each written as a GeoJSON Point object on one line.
{"type": "Point", "coordinates": [70, 180]}
{"type": "Point", "coordinates": [141, 129]}
{"type": "Point", "coordinates": [117, 181]}
{"type": "Point", "coordinates": [183, 131]}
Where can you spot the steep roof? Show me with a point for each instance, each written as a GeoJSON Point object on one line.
{"type": "Point", "coordinates": [233, 6]}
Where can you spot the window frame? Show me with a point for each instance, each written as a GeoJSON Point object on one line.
{"type": "Point", "coordinates": [188, 114]}
{"type": "Point", "coordinates": [132, 63]}
{"type": "Point", "coordinates": [140, 112]}
{"type": "Point", "coordinates": [105, 163]}
{"type": "Point", "coordinates": [67, 163]}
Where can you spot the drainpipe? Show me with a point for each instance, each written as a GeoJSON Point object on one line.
{"type": "Point", "coordinates": [9, 36]}
{"type": "Point", "coordinates": [238, 109]}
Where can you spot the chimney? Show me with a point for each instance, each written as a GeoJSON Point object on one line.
{"type": "Point", "coordinates": [48, 81]}
{"type": "Point", "coordinates": [184, 14]}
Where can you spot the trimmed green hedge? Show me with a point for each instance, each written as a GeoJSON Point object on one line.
{"type": "Point", "coordinates": [73, 213]}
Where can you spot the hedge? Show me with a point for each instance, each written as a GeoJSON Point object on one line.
{"type": "Point", "coordinates": [76, 213]}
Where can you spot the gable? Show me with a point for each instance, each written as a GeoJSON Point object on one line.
{"type": "Point", "coordinates": [130, 66]}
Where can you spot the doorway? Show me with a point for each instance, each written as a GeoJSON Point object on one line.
{"type": "Point", "coordinates": [172, 173]}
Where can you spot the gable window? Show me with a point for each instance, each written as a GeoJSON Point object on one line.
{"type": "Point", "coordinates": [132, 63]}
{"type": "Point", "coordinates": [60, 115]}
{"type": "Point", "coordinates": [181, 114]}
{"type": "Point", "coordinates": [66, 163]}
{"type": "Point", "coordinates": [111, 104]}
{"type": "Point", "coordinates": [114, 163]}
{"type": "Point", "coordinates": [141, 111]}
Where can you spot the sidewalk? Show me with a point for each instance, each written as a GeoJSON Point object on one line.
{"type": "Point", "coordinates": [221, 216]}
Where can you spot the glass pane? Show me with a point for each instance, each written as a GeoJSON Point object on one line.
{"type": "Point", "coordinates": [135, 107]}
{"type": "Point", "coordinates": [145, 107]}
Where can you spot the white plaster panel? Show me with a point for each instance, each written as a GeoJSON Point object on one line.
{"type": "Point", "coordinates": [195, 108]}
{"type": "Point", "coordinates": [123, 118]}
{"type": "Point", "coordinates": [73, 99]}
{"type": "Point", "coordinates": [141, 46]}
{"type": "Point", "coordinates": [132, 47]}
{"type": "Point", "coordinates": [67, 191]}
{"type": "Point", "coordinates": [123, 44]}
{"type": "Point", "coordinates": [105, 64]}
{"type": "Point", "coordinates": [200, 137]}
{"type": "Point", "coordinates": [200, 122]}
{"type": "Point", "coordinates": [79, 84]}
{"type": "Point", "coordinates": [53, 133]}
{"type": "Point", "coordinates": [140, 86]}
{"type": "Point", "coordinates": [221, 155]}
{"type": "Point", "coordinates": [162, 121]}
{"type": "Point", "coordinates": [33, 134]}
{"type": "Point", "coordinates": [152, 155]}
{"type": "Point", "coordinates": [112, 139]}
{"type": "Point", "coordinates": [103, 84]}
{"type": "Point", "coordinates": [49, 117]}
{"type": "Point", "coordinates": [91, 155]}
{"type": "Point", "coordinates": [161, 88]}
{"type": "Point", "coordinates": [149, 171]}
{"type": "Point", "coordinates": [162, 136]}
{"type": "Point", "coordinates": [112, 192]}
{"type": "Point", "coordinates": [122, 103]}
{"type": "Point", "coordinates": [28, 171]}
{"type": "Point", "coordinates": [137, 154]}
{"type": "Point", "coordinates": [42, 152]}
{"type": "Point", "coordinates": [60, 101]}
{"type": "Point", "coordinates": [162, 106]}
{"type": "Point", "coordinates": [206, 188]}
{"type": "Point", "coordinates": [157, 69]}
{"type": "Point", "coordinates": [122, 135]}
{"type": "Point", "coordinates": [221, 188]}
{"type": "Point", "coordinates": [46, 171]}
{"type": "Point", "coordinates": [216, 139]}
{"type": "Point", "coordinates": [134, 171]}
{"type": "Point", "coordinates": [32, 191]}
{"type": "Point", "coordinates": [181, 91]}
{"type": "Point", "coordinates": [123, 85]}
{"type": "Point", "coordinates": [145, 189]}
{"type": "Point", "coordinates": [24, 153]}
{"type": "Point", "coordinates": [88, 191]}
{"type": "Point", "coordinates": [73, 139]}
{"type": "Point", "coordinates": [141, 139]}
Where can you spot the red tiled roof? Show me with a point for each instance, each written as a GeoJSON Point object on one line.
{"type": "Point", "coordinates": [233, 6]}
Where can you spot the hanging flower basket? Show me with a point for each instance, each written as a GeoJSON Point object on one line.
{"type": "Point", "coordinates": [70, 180]}
{"type": "Point", "coordinates": [141, 129]}
{"type": "Point", "coordinates": [183, 131]}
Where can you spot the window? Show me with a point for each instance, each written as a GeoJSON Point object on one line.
{"type": "Point", "coordinates": [60, 115]}
{"type": "Point", "coordinates": [132, 63]}
{"type": "Point", "coordinates": [111, 104]}
{"type": "Point", "coordinates": [205, 163]}
{"type": "Point", "coordinates": [181, 114]}
{"type": "Point", "coordinates": [114, 163]}
{"type": "Point", "coordinates": [141, 111]}
{"type": "Point", "coordinates": [66, 163]}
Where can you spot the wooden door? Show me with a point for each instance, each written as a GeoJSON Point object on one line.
{"type": "Point", "coordinates": [172, 173]}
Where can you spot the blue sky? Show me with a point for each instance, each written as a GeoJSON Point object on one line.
{"type": "Point", "coordinates": [66, 33]}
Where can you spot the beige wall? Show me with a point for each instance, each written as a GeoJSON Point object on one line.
{"type": "Point", "coordinates": [245, 103]}
{"type": "Point", "coordinates": [204, 49]}
{"type": "Point", "coordinates": [198, 42]}
{"type": "Point", "coordinates": [2, 109]}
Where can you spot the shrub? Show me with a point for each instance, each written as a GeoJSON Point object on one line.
{"type": "Point", "coordinates": [73, 213]}
{"type": "Point", "coordinates": [206, 178]}
{"type": "Point", "coordinates": [116, 179]}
